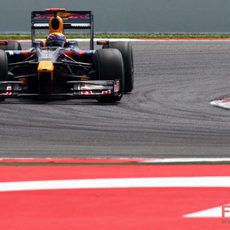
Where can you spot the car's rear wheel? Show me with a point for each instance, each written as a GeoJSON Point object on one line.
{"type": "Point", "coordinates": [3, 68]}
{"type": "Point", "coordinates": [127, 53]}
{"type": "Point", "coordinates": [109, 66]}
{"type": "Point", "coordinates": [12, 45]}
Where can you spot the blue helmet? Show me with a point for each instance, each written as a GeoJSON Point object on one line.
{"type": "Point", "coordinates": [56, 39]}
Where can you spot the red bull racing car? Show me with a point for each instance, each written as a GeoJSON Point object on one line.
{"type": "Point", "coordinates": [59, 68]}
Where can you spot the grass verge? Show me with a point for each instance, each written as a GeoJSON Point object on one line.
{"type": "Point", "coordinates": [122, 35]}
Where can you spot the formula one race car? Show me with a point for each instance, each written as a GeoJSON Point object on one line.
{"type": "Point", "coordinates": [59, 68]}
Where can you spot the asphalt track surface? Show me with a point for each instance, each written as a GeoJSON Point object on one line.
{"type": "Point", "coordinates": [167, 115]}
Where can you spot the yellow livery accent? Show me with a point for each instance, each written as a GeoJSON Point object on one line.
{"type": "Point", "coordinates": [45, 66]}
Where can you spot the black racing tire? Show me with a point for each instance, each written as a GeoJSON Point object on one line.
{"type": "Point", "coordinates": [3, 66]}
{"type": "Point", "coordinates": [109, 65]}
{"type": "Point", "coordinates": [127, 53]}
{"type": "Point", "coordinates": [12, 45]}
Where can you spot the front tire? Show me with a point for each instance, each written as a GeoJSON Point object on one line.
{"type": "Point", "coordinates": [109, 66]}
{"type": "Point", "coordinates": [127, 53]}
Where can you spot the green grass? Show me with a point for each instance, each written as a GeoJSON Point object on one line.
{"type": "Point", "coordinates": [122, 35]}
{"type": "Point", "coordinates": [163, 35]}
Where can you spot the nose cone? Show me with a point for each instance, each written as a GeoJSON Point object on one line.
{"type": "Point", "coordinates": [45, 66]}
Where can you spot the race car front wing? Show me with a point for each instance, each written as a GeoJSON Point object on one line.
{"type": "Point", "coordinates": [78, 89]}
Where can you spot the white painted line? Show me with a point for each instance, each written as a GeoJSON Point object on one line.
{"type": "Point", "coordinates": [209, 213]}
{"type": "Point", "coordinates": [187, 160]}
{"type": "Point", "coordinates": [221, 103]}
{"type": "Point", "coordinates": [165, 182]}
{"type": "Point", "coordinates": [216, 212]}
{"type": "Point", "coordinates": [120, 160]}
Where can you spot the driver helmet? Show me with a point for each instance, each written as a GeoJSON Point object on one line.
{"type": "Point", "coordinates": [56, 39]}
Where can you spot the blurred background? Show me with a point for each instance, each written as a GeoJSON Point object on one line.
{"type": "Point", "coordinates": [140, 16]}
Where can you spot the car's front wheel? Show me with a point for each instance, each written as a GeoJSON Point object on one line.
{"type": "Point", "coordinates": [127, 54]}
{"type": "Point", "coordinates": [109, 66]}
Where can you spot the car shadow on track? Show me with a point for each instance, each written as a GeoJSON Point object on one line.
{"type": "Point", "coordinates": [54, 102]}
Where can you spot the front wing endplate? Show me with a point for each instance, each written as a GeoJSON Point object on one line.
{"type": "Point", "coordinates": [78, 89]}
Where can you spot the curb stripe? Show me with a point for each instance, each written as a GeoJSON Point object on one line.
{"type": "Point", "coordinates": [70, 160]}
{"type": "Point", "coordinates": [187, 160]}
{"type": "Point", "coordinates": [167, 182]}
{"type": "Point", "coordinates": [114, 160]}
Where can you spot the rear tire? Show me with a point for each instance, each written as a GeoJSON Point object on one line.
{"type": "Point", "coordinates": [127, 53]}
{"type": "Point", "coordinates": [12, 45]}
{"type": "Point", "coordinates": [3, 66]}
{"type": "Point", "coordinates": [109, 66]}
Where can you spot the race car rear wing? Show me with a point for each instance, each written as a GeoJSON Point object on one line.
{"type": "Point", "coordinates": [72, 20]}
